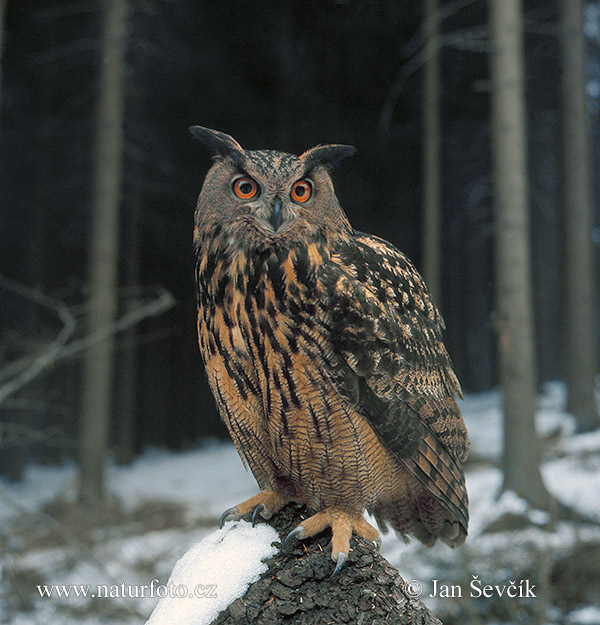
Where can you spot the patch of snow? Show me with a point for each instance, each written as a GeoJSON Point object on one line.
{"type": "Point", "coordinates": [209, 480]}
{"type": "Point", "coordinates": [483, 487]}
{"type": "Point", "coordinates": [570, 473]}
{"type": "Point", "coordinates": [550, 415]}
{"type": "Point", "coordinates": [40, 485]}
{"type": "Point", "coordinates": [589, 615]}
{"type": "Point", "coordinates": [582, 443]}
{"type": "Point", "coordinates": [575, 482]}
{"type": "Point", "coordinates": [215, 572]}
{"type": "Point", "coordinates": [591, 28]}
{"type": "Point", "coordinates": [483, 417]}
{"type": "Point", "coordinates": [510, 503]}
{"type": "Point", "coordinates": [538, 517]}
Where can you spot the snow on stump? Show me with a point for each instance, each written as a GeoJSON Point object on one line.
{"type": "Point", "coordinates": [213, 573]}
{"type": "Point", "coordinates": [293, 586]}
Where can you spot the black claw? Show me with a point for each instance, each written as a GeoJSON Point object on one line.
{"type": "Point", "coordinates": [229, 512]}
{"type": "Point", "coordinates": [297, 530]}
{"type": "Point", "coordinates": [257, 510]}
{"type": "Point", "coordinates": [340, 563]}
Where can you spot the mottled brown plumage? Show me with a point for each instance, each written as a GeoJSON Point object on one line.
{"type": "Point", "coordinates": [324, 353]}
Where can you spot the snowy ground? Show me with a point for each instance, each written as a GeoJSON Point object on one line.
{"type": "Point", "coordinates": [169, 501]}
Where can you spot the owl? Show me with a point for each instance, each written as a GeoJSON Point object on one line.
{"type": "Point", "coordinates": [324, 353]}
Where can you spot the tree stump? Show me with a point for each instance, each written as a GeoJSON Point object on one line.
{"type": "Point", "coordinates": [298, 589]}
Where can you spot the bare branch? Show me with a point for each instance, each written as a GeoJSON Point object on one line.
{"type": "Point", "coordinates": [472, 39]}
{"type": "Point", "coordinates": [58, 349]}
{"type": "Point", "coordinates": [2, 19]}
{"type": "Point", "coordinates": [163, 302]}
{"type": "Point", "coordinates": [60, 11]}
{"type": "Point", "coordinates": [468, 39]}
{"type": "Point", "coordinates": [143, 157]}
{"type": "Point", "coordinates": [444, 12]}
{"type": "Point", "coordinates": [20, 435]}
{"type": "Point", "coordinates": [70, 51]}
{"type": "Point", "coordinates": [50, 354]}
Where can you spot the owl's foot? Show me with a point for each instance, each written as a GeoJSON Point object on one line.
{"type": "Point", "coordinates": [342, 525]}
{"type": "Point", "coordinates": [266, 503]}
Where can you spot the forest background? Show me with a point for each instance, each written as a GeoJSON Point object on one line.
{"type": "Point", "coordinates": [477, 125]}
{"type": "Point", "coordinates": [477, 128]}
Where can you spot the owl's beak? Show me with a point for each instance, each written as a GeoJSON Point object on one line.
{"type": "Point", "coordinates": [276, 215]}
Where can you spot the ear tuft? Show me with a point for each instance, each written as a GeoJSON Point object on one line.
{"type": "Point", "coordinates": [218, 143]}
{"type": "Point", "coordinates": [327, 155]}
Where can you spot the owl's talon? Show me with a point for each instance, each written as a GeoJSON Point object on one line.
{"type": "Point", "coordinates": [378, 542]}
{"type": "Point", "coordinates": [266, 503]}
{"type": "Point", "coordinates": [230, 512]}
{"type": "Point", "coordinates": [260, 508]}
{"type": "Point", "coordinates": [297, 532]}
{"type": "Point", "coordinates": [341, 559]}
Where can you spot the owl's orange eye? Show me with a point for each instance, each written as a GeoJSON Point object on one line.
{"type": "Point", "coordinates": [245, 188]}
{"type": "Point", "coordinates": [301, 191]}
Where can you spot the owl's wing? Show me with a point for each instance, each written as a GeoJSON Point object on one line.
{"type": "Point", "coordinates": [392, 363]}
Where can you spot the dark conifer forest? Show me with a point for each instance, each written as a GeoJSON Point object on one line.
{"type": "Point", "coordinates": [477, 129]}
{"type": "Point", "coordinates": [284, 75]}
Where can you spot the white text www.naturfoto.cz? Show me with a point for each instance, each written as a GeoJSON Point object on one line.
{"type": "Point", "coordinates": [130, 591]}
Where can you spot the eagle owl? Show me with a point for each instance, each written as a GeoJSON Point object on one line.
{"type": "Point", "coordinates": [323, 350]}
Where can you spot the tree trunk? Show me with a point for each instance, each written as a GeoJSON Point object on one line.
{"type": "Point", "coordinates": [513, 274]}
{"type": "Point", "coordinates": [104, 254]}
{"type": "Point", "coordinates": [2, 17]}
{"type": "Point", "coordinates": [126, 391]}
{"type": "Point", "coordinates": [298, 589]}
{"type": "Point", "coordinates": [2, 12]}
{"type": "Point", "coordinates": [431, 153]}
{"type": "Point", "coordinates": [580, 348]}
